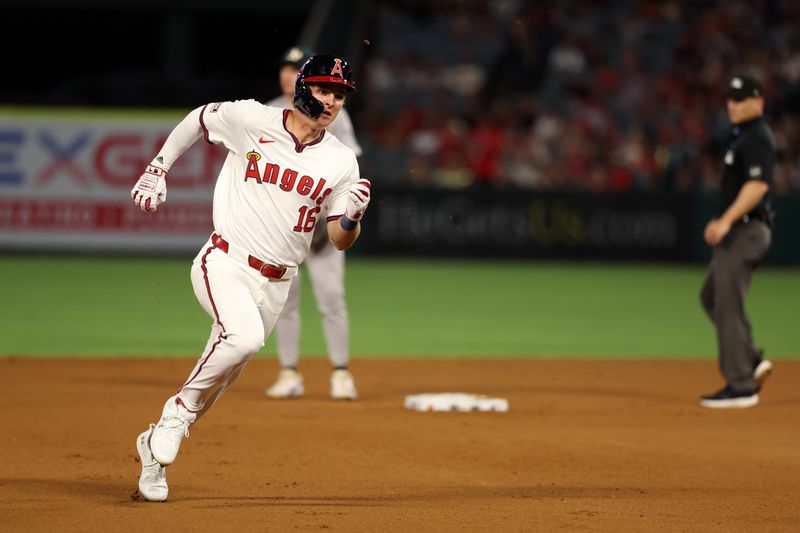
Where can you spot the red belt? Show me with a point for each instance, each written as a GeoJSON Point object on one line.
{"type": "Point", "coordinates": [267, 270]}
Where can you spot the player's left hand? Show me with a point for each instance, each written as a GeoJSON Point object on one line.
{"type": "Point", "coordinates": [715, 231]}
{"type": "Point", "coordinates": [151, 189]}
{"type": "Point", "coordinates": [359, 199]}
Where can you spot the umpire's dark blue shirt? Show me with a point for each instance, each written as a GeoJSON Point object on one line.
{"type": "Point", "coordinates": [750, 156]}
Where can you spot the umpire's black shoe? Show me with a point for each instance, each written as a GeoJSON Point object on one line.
{"type": "Point", "coordinates": [728, 398]}
{"type": "Point", "coordinates": [762, 368]}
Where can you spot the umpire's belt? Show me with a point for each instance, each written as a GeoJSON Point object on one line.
{"type": "Point", "coordinates": [268, 270]}
{"type": "Point", "coordinates": [758, 214]}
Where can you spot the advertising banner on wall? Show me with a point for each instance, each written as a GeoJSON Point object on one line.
{"type": "Point", "coordinates": [65, 181]}
{"type": "Point", "coordinates": [523, 223]}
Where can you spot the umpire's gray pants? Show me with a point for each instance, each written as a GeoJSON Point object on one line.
{"type": "Point", "coordinates": [722, 295]}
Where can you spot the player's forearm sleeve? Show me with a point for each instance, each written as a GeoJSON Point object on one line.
{"type": "Point", "coordinates": [182, 137]}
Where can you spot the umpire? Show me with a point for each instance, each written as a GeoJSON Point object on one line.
{"type": "Point", "coordinates": [740, 238]}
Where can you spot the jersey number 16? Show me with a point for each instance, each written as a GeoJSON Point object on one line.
{"type": "Point", "coordinates": [307, 219]}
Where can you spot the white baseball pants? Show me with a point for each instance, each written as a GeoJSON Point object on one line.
{"type": "Point", "coordinates": [244, 306]}
{"type": "Point", "coordinates": [326, 269]}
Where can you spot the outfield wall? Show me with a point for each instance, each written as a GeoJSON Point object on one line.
{"type": "Point", "coordinates": [65, 180]}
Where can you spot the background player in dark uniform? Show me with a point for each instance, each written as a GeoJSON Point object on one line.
{"type": "Point", "coordinates": [740, 239]}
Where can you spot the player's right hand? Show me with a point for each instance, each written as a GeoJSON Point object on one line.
{"type": "Point", "coordinates": [359, 199]}
{"type": "Point", "coordinates": [151, 189]}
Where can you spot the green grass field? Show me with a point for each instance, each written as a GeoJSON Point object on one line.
{"type": "Point", "coordinates": [132, 306]}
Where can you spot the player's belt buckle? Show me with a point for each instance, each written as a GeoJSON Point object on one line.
{"type": "Point", "coordinates": [275, 272]}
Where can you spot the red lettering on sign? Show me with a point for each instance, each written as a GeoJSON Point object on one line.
{"type": "Point", "coordinates": [60, 167]}
{"type": "Point", "coordinates": [118, 160]}
{"type": "Point", "coordinates": [101, 217]}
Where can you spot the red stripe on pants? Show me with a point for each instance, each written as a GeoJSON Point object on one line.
{"type": "Point", "coordinates": [216, 317]}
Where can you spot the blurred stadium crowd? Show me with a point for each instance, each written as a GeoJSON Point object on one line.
{"type": "Point", "coordinates": [569, 95]}
{"type": "Point", "coordinates": [566, 95]}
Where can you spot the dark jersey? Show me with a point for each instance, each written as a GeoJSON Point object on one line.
{"type": "Point", "coordinates": [750, 156]}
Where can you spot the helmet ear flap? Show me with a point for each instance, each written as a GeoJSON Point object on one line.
{"type": "Point", "coordinates": [305, 101]}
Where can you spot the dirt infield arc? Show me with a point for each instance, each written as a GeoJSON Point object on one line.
{"type": "Point", "coordinates": [586, 446]}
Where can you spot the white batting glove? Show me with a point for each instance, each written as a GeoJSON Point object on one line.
{"type": "Point", "coordinates": [151, 189]}
{"type": "Point", "coordinates": [359, 199]}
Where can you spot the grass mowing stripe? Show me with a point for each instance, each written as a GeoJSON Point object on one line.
{"type": "Point", "coordinates": [146, 306]}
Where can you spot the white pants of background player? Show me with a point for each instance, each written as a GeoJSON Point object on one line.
{"type": "Point", "coordinates": [326, 269]}
{"type": "Point", "coordinates": [244, 306]}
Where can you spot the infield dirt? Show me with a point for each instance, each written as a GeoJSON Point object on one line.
{"type": "Point", "coordinates": [586, 446]}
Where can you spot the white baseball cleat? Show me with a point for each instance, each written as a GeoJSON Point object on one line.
{"type": "Point", "coordinates": [762, 372]}
{"type": "Point", "coordinates": [343, 387]}
{"type": "Point", "coordinates": [153, 480]}
{"type": "Point", "coordinates": [288, 385]}
{"type": "Point", "coordinates": [170, 431]}
{"type": "Point", "coordinates": [728, 398]}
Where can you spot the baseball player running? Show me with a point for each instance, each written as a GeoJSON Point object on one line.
{"type": "Point", "coordinates": [281, 171]}
{"type": "Point", "coordinates": [325, 266]}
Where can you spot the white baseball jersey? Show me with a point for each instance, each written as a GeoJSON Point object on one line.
{"type": "Point", "coordinates": [271, 188]}
{"type": "Point", "coordinates": [341, 128]}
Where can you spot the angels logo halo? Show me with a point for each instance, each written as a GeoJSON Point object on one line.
{"type": "Point", "coordinates": [320, 69]}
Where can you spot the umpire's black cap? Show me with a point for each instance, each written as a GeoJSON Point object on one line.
{"type": "Point", "coordinates": [744, 87]}
{"type": "Point", "coordinates": [296, 56]}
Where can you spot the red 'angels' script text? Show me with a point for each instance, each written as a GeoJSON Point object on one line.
{"type": "Point", "coordinates": [287, 180]}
